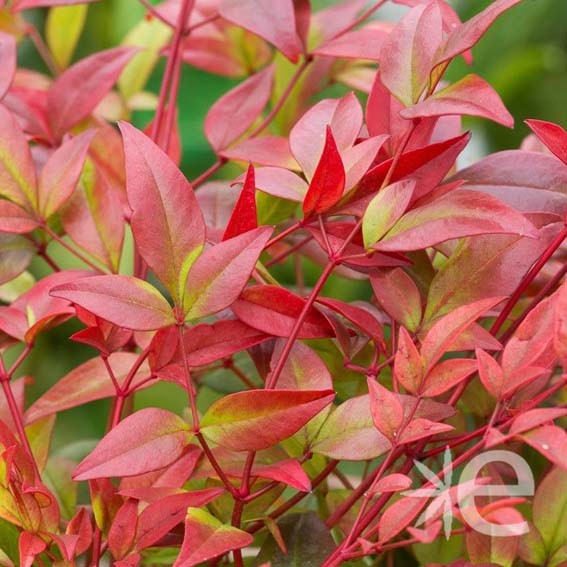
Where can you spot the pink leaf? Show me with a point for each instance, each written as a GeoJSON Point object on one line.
{"type": "Point", "coordinates": [272, 21]}
{"type": "Point", "coordinates": [235, 111]}
{"type": "Point", "coordinates": [206, 538]}
{"type": "Point", "coordinates": [408, 53]}
{"type": "Point", "coordinates": [259, 419]}
{"type": "Point", "coordinates": [394, 482]}
{"type": "Point", "coordinates": [8, 57]}
{"type": "Point", "coordinates": [307, 138]}
{"type": "Point", "coordinates": [408, 365]}
{"type": "Point", "coordinates": [221, 272]}
{"type": "Point", "coordinates": [77, 92]}
{"type": "Point", "coordinates": [20, 5]}
{"type": "Point", "coordinates": [167, 222]}
{"type": "Point", "coordinates": [387, 411]}
{"type": "Point", "coordinates": [560, 326]}
{"type": "Point", "coordinates": [244, 216]}
{"type": "Point", "coordinates": [471, 96]}
{"type": "Point", "coordinates": [490, 373]}
{"type": "Point", "coordinates": [328, 182]}
{"type": "Point", "coordinates": [460, 213]}
{"type": "Point", "coordinates": [551, 442]}
{"type": "Point", "coordinates": [289, 472]}
{"type": "Point", "coordinates": [85, 383]}
{"type": "Point", "coordinates": [534, 418]}
{"type": "Point", "coordinates": [123, 300]}
{"type": "Point", "coordinates": [552, 135]}
{"type": "Point", "coordinates": [281, 183]}
{"type": "Point", "coordinates": [61, 173]}
{"type": "Point", "coordinates": [357, 159]}
{"type": "Point", "coordinates": [274, 310]}
{"type": "Point", "coordinates": [397, 517]}
{"type": "Point", "coordinates": [264, 150]}
{"type": "Point", "coordinates": [30, 545]}
{"type": "Point", "coordinates": [14, 219]}
{"type": "Point", "coordinates": [421, 428]}
{"type": "Point", "coordinates": [123, 529]}
{"type": "Point", "coordinates": [399, 296]}
{"type": "Point", "coordinates": [465, 36]}
{"type": "Point", "coordinates": [447, 329]}
{"type": "Point", "coordinates": [364, 43]}
{"type": "Point", "coordinates": [145, 441]}
{"type": "Point", "coordinates": [349, 433]}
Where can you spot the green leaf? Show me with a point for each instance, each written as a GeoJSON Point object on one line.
{"type": "Point", "coordinates": [550, 510]}
{"type": "Point", "coordinates": [63, 29]}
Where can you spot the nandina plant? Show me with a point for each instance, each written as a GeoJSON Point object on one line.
{"type": "Point", "coordinates": [310, 419]}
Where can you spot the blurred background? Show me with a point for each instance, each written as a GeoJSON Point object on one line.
{"type": "Point", "coordinates": [523, 56]}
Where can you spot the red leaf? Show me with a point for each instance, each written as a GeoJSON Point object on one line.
{"type": "Point", "coordinates": [167, 222]}
{"type": "Point", "coordinates": [259, 419]}
{"type": "Point", "coordinates": [61, 173]}
{"type": "Point", "coordinates": [145, 441]}
{"type": "Point", "coordinates": [328, 182]}
{"type": "Point", "coordinates": [408, 53]}
{"type": "Point", "coordinates": [387, 411]}
{"type": "Point", "coordinates": [428, 166]}
{"type": "Point", "coordinates": [447, 329]}
{"type": "Point", "coordinates": [470, 96]}
{"type": "Point", "coordinates": [460, 213]}
{"type": "Point", "coordinates": [274, 310]}
{"type": "Point", "coordinates": [307, 138]}
{"type": "Point", "coordinates": [85, 383]}
{"type": "Point", "coordinates": [208, 343]}
{"type": "Point", "coordinates": [235, 111]}
{"type": "Point", "coordinates": [30, 545]}
{"type": "Point", "coordinates": [359, 316]}
{"type": "Point", "coordinates": [272, 21]}
{"type": "Point", "coordinates": [77, 92]}
{"type": "Point", "coordinates": [123, 529]}
{"type": "Point", "coordinates": [159, 517]}
{"type": "Point", "coordinates": [8, 56]}
{"type": "Point", "coordinates": [447, 374]}
{"type": "Point", "coordinates": [123, 300]}
{"type": "Point", "coordinates": [357, 159]}
{"type": "Point", "coordinates": [206, 538]}
{"type": "Point", "coordinates": [244, 216]}
{"type": "Point", "coordinates": [218, 276]}
{"type": "Point", "coordinates": [552, 135]}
